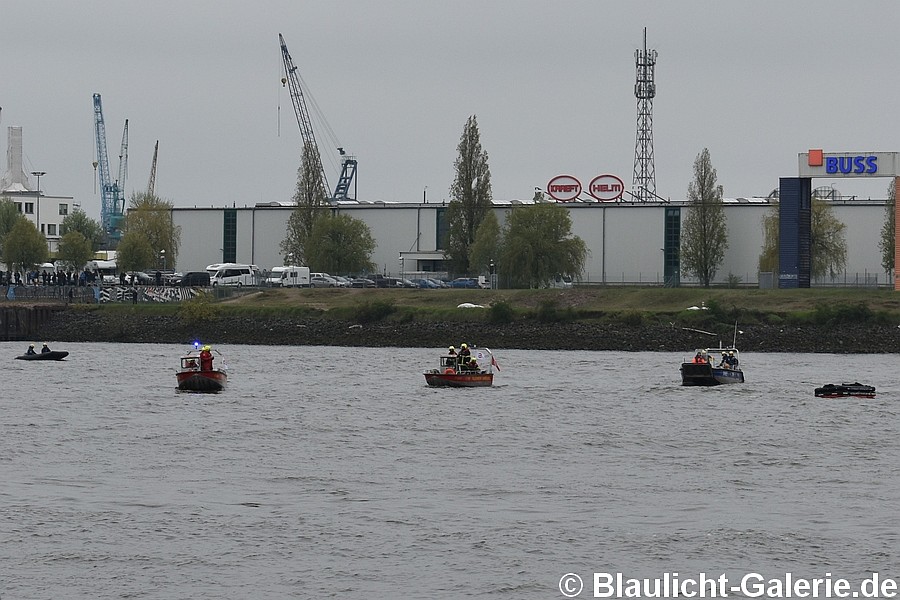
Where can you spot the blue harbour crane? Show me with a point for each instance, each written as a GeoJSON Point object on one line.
{"type": "Point", "coordinates": [112, 193]}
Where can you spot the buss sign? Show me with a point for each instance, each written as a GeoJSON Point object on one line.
{"type": "Point", "coordinates": [817, 163]}
{"type": "Point", "coordinates": [564, 188]}
{"type": "Point", "coordinates": [606, 188]}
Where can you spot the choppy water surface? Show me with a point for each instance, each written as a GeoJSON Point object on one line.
{"type": "Point", "coordinates": [318, 474]}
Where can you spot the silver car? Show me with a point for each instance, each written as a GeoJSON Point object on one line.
{"type": "Point", "coordinates": [322, 281]}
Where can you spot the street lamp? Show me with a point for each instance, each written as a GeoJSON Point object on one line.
{"type": "Point", "coordinates": [290, 259]}
{"type": "Point", "coordinates": [162, 257]}
{"type": "Point", "coordinates": [38, 174]}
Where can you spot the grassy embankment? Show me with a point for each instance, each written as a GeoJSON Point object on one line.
{"type": "Point", "coordinates": [632, 305]}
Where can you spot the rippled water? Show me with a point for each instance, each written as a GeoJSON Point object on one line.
{"type": "Point", "coordinates": [315, 474]}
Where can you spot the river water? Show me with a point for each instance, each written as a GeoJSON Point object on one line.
{"type": "Point", "coordinates": [336, 472]}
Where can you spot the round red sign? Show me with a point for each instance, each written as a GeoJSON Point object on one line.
{"type": "Point", "coordinates": [606, 187]}
{"type": "Point", "coordinates": [564, 188]}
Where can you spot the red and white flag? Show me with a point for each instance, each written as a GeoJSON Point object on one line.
{"type": "Point", "coordinates": [494, 362]}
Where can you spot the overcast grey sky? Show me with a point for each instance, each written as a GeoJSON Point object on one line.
{"type": "Point", "coordinates": [551, 83]}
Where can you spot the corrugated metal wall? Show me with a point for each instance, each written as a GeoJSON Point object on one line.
{"type": "Point", "coordinates": [795, 195]}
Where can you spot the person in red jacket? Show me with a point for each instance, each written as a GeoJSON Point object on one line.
{"type": "Point", "coordinates": [206, 359]}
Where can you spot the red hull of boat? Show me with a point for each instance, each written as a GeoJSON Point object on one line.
{"type": "Point", "coordinates": [459, 379]}
{"type": "Point", "coordinates": [201, 381]}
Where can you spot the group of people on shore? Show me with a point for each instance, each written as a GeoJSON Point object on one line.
{"type": "Point", "coordinates": [47, 278]}
{"type": "Point", "coordinates": [462, 360]}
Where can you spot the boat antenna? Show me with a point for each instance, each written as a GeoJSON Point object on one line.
{"type": "Point", "coordinates": [734, 339]}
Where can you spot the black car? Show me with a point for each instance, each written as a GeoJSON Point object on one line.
{"type": "Point", "coordinates": [194, 279]}
{"type": "Point", "coordinates": [362, 282]}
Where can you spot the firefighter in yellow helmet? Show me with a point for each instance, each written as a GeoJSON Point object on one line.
{"type": "Point", "coordinates": [206, 359]}
{"type": "Point", "coordinates": [464, 355]}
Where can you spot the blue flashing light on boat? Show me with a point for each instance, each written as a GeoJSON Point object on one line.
{"type": "Point", "coordinates": [196, 344]}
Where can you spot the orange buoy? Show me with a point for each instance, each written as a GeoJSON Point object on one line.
{"type": "Point", "coordinates": [449, 371]}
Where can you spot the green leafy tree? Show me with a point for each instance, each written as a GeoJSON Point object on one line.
{"type": "Point", "coordinates": [886, 243]}
{"type": "Point", "coordinates": [9, 216]}
{"type": "Point", "coordinates": [78, 221]}
{"type": "Point", "coordinates": [75, 250]}
{"type": "Point", "coordinates": [538, 244]}
{"type": "Point", "coordinates": [151, 217]}
{"type": "Point", "coordinates": [340, 244]}
{"type": "Point", "coordinates": [310, 200]}
{"type": "Point", "coordinates": [827, 246]}
{"type": "Point", "coordinates": [24, 246]}
{"type": "Point", "coordinates": [470, 197]}
{"type": "Point", "coordinates": [704, 233]}
{"type": "Point", "coordinates": [486, 246]}
{"type": "Point", "coordinates": [135, 253]}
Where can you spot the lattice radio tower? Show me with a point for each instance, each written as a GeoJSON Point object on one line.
{"type": "Point", "coordinates": [644, 183]}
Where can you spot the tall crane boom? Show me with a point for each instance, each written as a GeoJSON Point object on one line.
{"type": "Point", "coordinates": [303, 120]}
{"type": "Point", "coordinates": [112, 202]}
{"type": "Point", "coordinates": [151, 185]}
{"type": "Point", "coordinates": [123, 162]}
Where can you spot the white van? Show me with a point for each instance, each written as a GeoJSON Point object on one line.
{"type": "Point", "coordinates": [289, 277]}
{"type": "Point", "coordinates": [561, 281]}
{"type": "Point", "coordinates": [232, 274]}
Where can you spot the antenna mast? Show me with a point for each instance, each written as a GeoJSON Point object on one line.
{"type": "Point", "coordinates": [644, 182]}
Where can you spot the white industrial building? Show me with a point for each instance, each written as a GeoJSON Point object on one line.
{"type": "Point", "coordinates": [627, 241]}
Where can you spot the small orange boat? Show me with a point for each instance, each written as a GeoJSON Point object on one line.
{"type": "Point", "coordinates": [453, 375]}
{"type": "Point", "coordinates": [192, 377]}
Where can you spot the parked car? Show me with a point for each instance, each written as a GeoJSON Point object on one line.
{"type": "Point", "coordinates": [322, 281]}
{"type": "Point", "coordinates": [139, 278]}
{"type": "Point", "coordinates": [439, 283]}
{"type": "Point", "coordinates": [362, 282]}
{"type": "Point", "coordinates": [425, 284]}
{"type": "Point", "coordinates": [341, 280]}
{"type": "Point", "coordinates": [464, 282]}
{"type": "Point", "coordinates": [194, 278]}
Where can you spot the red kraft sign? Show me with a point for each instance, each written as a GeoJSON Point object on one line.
{"type": "Point", "coordinates": [564, 188]}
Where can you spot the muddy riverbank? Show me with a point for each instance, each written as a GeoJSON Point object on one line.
{"type": "Point", "coordinates": [102, 326]}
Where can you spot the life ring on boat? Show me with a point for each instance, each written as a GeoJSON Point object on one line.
{"type": "Point", "coordinates": [449, 371]}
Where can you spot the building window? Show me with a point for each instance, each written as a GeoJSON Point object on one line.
{"type": "Point", "coordinates": [42, 228]}
{"type": "Point", "coordinates": [51, 229]}
{"type": "Point", "coordinates": [63, 210]}
{"type": "Point", "coordinates": [229, 236]}
{"type": "Point", "coordinates": [19, 206]}
{"type": "Point", "coordinates": [29, 208]}
{"type": "Point", "coordinates": [443, 228]}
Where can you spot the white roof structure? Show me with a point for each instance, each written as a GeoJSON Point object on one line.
{"type": "Point", "coordinates": [14, 179]}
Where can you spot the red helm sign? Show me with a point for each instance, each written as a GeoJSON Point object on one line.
{"type": "Point", "coordinates": [606, 187]}
{"type": "Point", "coordinates": [564, 188]}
